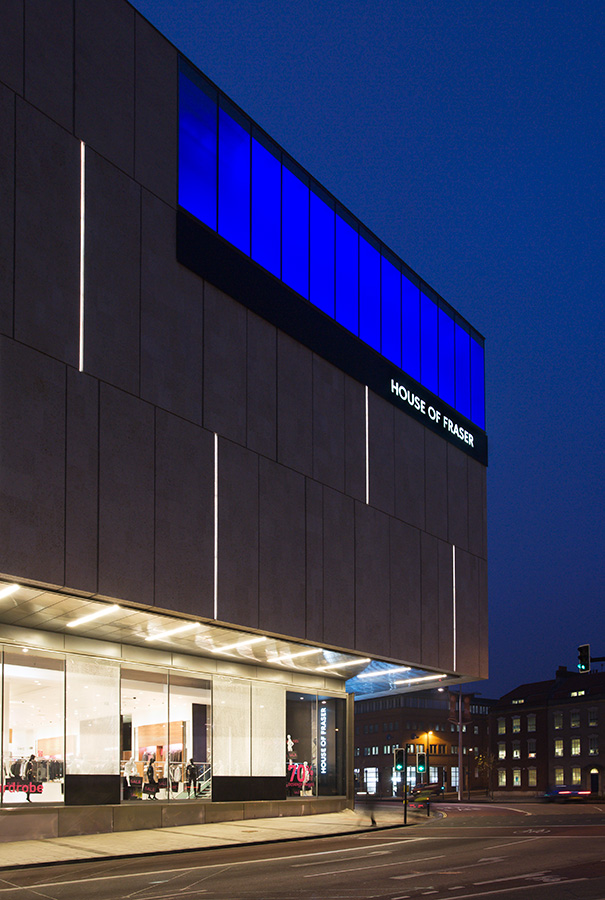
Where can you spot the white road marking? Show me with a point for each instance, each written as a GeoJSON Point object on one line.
{"type": "Point", "coordinates": [225, 865]}
{"type": "Point", "coordinates": [399, 862]}
{"type": "Point", "coordinates": [522, 887]}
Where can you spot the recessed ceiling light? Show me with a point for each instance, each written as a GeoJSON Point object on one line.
{"type": "Point", "coordinates": [348, 662]}
{"type": "Point", "coordinates": [236, 646]}
{"type": "Point", "coordinates": [424, 678]}
{"type": "Point", "coordinates": [189, 626]}
{"type": "Point", "coordinates": [385, 672]}
{"type": "Point", "coordinates": [83, 620]}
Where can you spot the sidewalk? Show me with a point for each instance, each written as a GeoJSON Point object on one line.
{"type": "Point", "coordinates": [196, 837]}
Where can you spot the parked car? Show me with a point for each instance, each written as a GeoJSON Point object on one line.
{"type": "Point", "coordinates": [561, 793]}
{"type": "Point", "coordinates": [433, 791]}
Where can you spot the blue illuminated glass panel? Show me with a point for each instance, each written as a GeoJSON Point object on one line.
{"type": "Point", "coordinates": [463, 371]}
{"type": "Point", "coordinates": [429, 374]}
{"type": "Point", "coordinates": [369, 294]}
{"type": "Point", "coordinates": [322, 255]}
{"type": "Point", "coordinates": [347, 268]}
{"type": "Point", "coordinates": [477, 384]}
{"type": "Point", "coordinates": [391, 312]}
{"type": "Point", "coordinates": [410, 328]}
{"type": "Point", "coordinates": [233, 182]}
{"type": "Point", "coordinates": [447, 386]}
{"type": "Point", "coordinates": [197, 152]}
{"type": "Point", "coordinates": [266, 208]}
{"type": "Point", "coordinates": [295, 232]}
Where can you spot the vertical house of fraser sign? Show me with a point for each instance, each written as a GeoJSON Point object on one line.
{"type": "Point", "coordinates": [323, 740]}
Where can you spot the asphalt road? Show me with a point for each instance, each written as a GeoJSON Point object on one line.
{"type": "Point", "coordinates": [498, 851]}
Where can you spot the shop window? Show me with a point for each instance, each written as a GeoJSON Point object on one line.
{"type": "Point", "coordinates": [189, 762]}
{"type": "Point", "coordinates": [301, 744]}
{"type": "Point", "coordinates": [33, 736]}
{"type": "Point", "coordinates": [532, 777]}
{"type": "Point", "coordinates": [92, 728]}
{"type": "Point", "coordinates": [575, 747]}
{"type": "Point", "coordinates": [501, 777]}
{"type": "Point", "coordinates": [371, 780]}
{"type": "Point", "coordinates": [576, 775]}
{"type": "Point", "coordinates": [531, 722]}
{"type": "Point", "coordinates": [145, 751]}
{"type": "Point", "coordinates": [559, 776]}
{"type": "Point", "coordinates": [558, 748]}
{"type": "Point", "coordinates": [516, 777]}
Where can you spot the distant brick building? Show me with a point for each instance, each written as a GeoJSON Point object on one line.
{"type": "Point", "coordinates": [422, 720]}
{"type": "Point", "coordinates": [550, 733]}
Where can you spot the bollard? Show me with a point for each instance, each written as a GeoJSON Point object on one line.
{"type": "Point", "coordinates": [428, 807]}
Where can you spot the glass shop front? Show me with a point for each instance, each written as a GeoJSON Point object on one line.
{"type": "Point", "coordinates": [82, 730]}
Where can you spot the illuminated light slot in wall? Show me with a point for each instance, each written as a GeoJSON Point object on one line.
{"type": "Point", "coordinates": [367, 449]}
{"type": "Point", "coordinates": [423, 678]}
{"type": "Point", "coordinates": [82, 243]}
{"type": "Point", "coordinates": [247, 643]}
{"type": "Point", "coordinates": [8, 589]}
{"type": "Point", "coordinates": [164, 635]}
{"type": "Point", "coordinates": [216, 526]}
{"type": "Point", "coordinates": [384, 672]}
{"type": "Point", "coordinates": [454, 603]}
{"type": "Point", "coordinates": [84, 620]}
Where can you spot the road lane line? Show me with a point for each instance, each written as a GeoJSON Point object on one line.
{"type": "Point", "coordinates": [522, 887]}
{"type": "Point", "coordinates": [225, 865]}
{"type": "Point", "coordinates": [400, 862]}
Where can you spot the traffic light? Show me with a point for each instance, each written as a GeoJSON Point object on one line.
{"type": "Point", "coordinates": [421, 763]}
{"type": "Point", "coordinates": [584, 658]}
{"type": "Point", "coordinates": [399, 759]}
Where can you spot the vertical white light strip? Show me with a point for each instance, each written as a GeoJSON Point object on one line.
{"type": "Point", "coordinates": [454, 600]}
{"type": "Point", "coordinates": [216, 526]}
{"type": "Point", "coordinates": [367, 449]}
{"type": "Point", "coordinates": [82, 232]}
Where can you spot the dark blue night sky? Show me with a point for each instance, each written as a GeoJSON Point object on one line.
{"type": "Point", "coordinates": [469, 137]}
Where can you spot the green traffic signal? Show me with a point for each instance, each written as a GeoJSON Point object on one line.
{"type": "Point", "coordinates": [399, 760]}
{"type": "Point", "coordinates": [421, 762]}
{"type": "Point", "coordinates": [584, 658]}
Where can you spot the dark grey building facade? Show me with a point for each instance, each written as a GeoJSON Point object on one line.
{"type": "Point", "coordinates": [226, 502]}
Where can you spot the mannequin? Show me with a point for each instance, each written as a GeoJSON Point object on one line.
{"type": "Point", "coordinates": [153, 785]}
{"type": "Point", "coordinates": [191, 775]}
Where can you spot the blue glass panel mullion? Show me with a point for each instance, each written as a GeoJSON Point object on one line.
{"type": "Point", "coordinates": [477, 384]}
{"type": "Point", "coordinates": [347, 286]}
{"type": "Point", "coordinates": [266, 208]}
{"type": "Point", "coordinates": [197, 151]}
{"type": "Point", "coordinates": [429, 371]}
{"type": "Point", "coordinates": [233, 182]}
{"type": "Point", "coordinates": [391, 311]}
{"type": "Point", "coordinates": [369, 294]}
{"type": "Point", "coordinates": [295, 232]}
{"type": "Point", "coordinates": [410, 328]}
{"type": "Point", "coordinates": [447, 385]}
{"type": "Point", "coordinates": [463, 371]}
{"type": "Point", "coordinates": [322, 241]}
